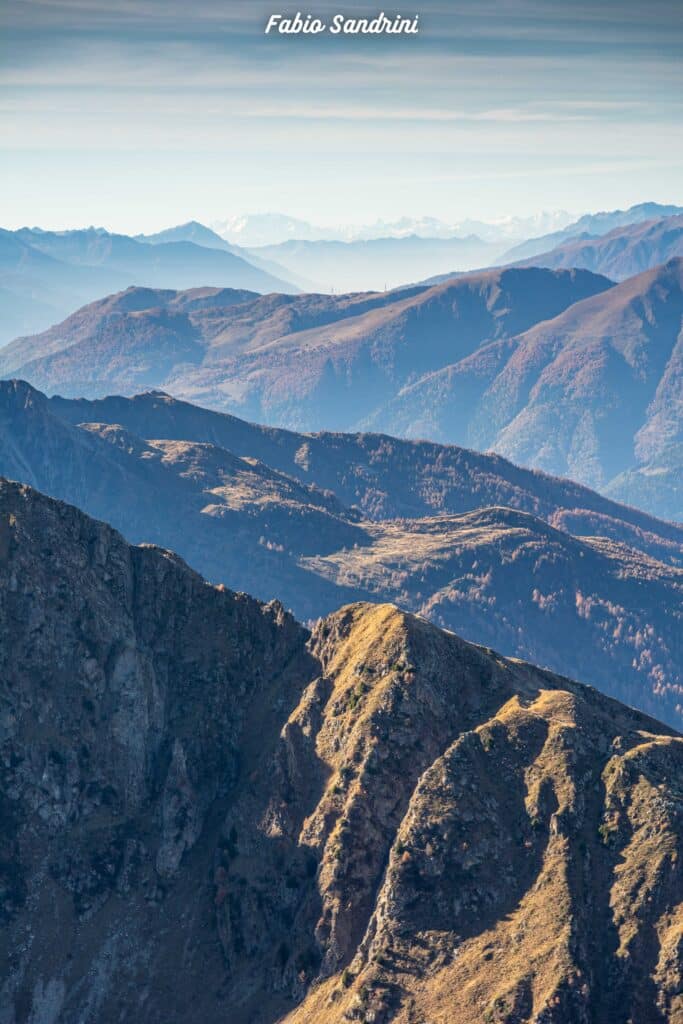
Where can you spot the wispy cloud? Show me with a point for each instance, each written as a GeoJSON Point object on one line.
{"type": "Point", "coordinates": [487, 93]}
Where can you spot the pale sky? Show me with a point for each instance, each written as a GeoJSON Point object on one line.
{"type": "Point", "coordinates": [139, 114]}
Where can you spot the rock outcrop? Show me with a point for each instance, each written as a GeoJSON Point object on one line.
{"type": "Point", "coordinates": [211, 815]}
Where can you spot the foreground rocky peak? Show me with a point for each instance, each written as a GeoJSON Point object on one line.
{"type": "Point", "coordinates": [212, 815]}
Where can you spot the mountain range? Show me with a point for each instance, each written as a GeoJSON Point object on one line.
{"type": "Point", "coordinates": [536, 567]}
{"type": "Point", "coordinates": [199, 234]}
{"type": "Point", "coordinates": [378, 263]}
{"type": "Point", "coordinates": [620, 253]}
{"type": "Point", "coordinates": [45, 274]}
{"type": "Point", "coordinates": [250, 230]}
{"type": "Point", "coordinates": [621, 244]}
{"type": "Point", "coordinates": [591, 225]}
{"type": "Point", "coordinates": [213, 812]}
{"type": "Point", "coordinates": [428, 250]}
{"type": "Point", "coordinates": [556, 369]}
{"type": "Point", "coordinates": [191, 231]}
{"type": "Point", "coordinates": [210, 814]}
{"type": "Point", "coordinates": [593, 393]}
{"type": "Point", "coordinates": [290, 360]}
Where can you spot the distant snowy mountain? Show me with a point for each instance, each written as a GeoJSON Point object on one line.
{"type": "Point", "coordinates": [253, 230]}
{"type": "Point", "coordinates": [257, 229]}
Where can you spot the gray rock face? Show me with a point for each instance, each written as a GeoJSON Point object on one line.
{"type": "Point", "coordinates": [127, 684]}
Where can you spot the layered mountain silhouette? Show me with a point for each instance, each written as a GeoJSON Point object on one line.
{"type": "Point", "coordinates": [591, 225]}
{"type": "Point", "coordinates": [559, 369]}
{"type": "Point", "coordinates": [199, 234]}
{"type": "Point", "coordinates": [36, 289]}
{"type": "Point", "coordinates": [621, 253]}
{"type": "Point", "coordinates": [209, 814]}
{"type": "Point", "coordinates": [537, 567]}
{"type": "Point", "coordinates": [378, 263]}
{"type": "Point", "coordinates": [192, 231]}
{"type": "Point", "coordinates": [45, 274]}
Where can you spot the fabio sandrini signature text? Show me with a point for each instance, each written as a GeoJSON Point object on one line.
{"type": "Point", "coordinates": [308, 24]}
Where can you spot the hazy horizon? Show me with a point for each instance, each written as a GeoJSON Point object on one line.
{"type": "Point", "coordinates": [325, 223]}
{"type": "Point", "coordinates": [545, 222]}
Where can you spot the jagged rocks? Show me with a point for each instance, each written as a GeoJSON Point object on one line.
{"type": "Point", "coordinates": [209, 814]}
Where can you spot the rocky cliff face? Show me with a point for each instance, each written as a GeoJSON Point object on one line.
{"type": "Point", "coordinates": [129, 687]}
{"type": "Point", "coordinates": [211, 815]}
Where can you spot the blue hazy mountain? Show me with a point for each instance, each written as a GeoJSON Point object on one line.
{"type": "Point", "coordinates": [44, 274]}
{"type": "Point", "coordinates": [620, 253]}
{"type": "Point", "coordinates": [378, 263]}
{"type": "Point", "coordinates": [590, 225]}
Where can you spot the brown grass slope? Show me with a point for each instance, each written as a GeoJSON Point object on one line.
{"type": "Point", "coordinates": [209, 816]}
{"type": "Point", "coordinates": [556, 369]}
{"type": "Point", "coordinates": [383, 477]}
{"type": "Point", "coordinates": [515, 864]}
{"type": "Point", "coordinates": [553, 368]}
{"type": "Point", "coordinates": [205, 315]}
{"type": "Point", "coordinates": [605, 369]}
{"type": "Point", "coordinates": [591, 606]}
{"type": "Point", "coordinates": [46, 274]}
{"type": "Point", "coordinates": [303, 361]}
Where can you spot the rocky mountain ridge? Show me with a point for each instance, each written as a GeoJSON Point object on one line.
{"type": "Point", "coordinates": [212, 816]}
{"type": "Point", "coordinates": [620, 253]}
{"type": "Point", "coordinates": [560, 576]}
